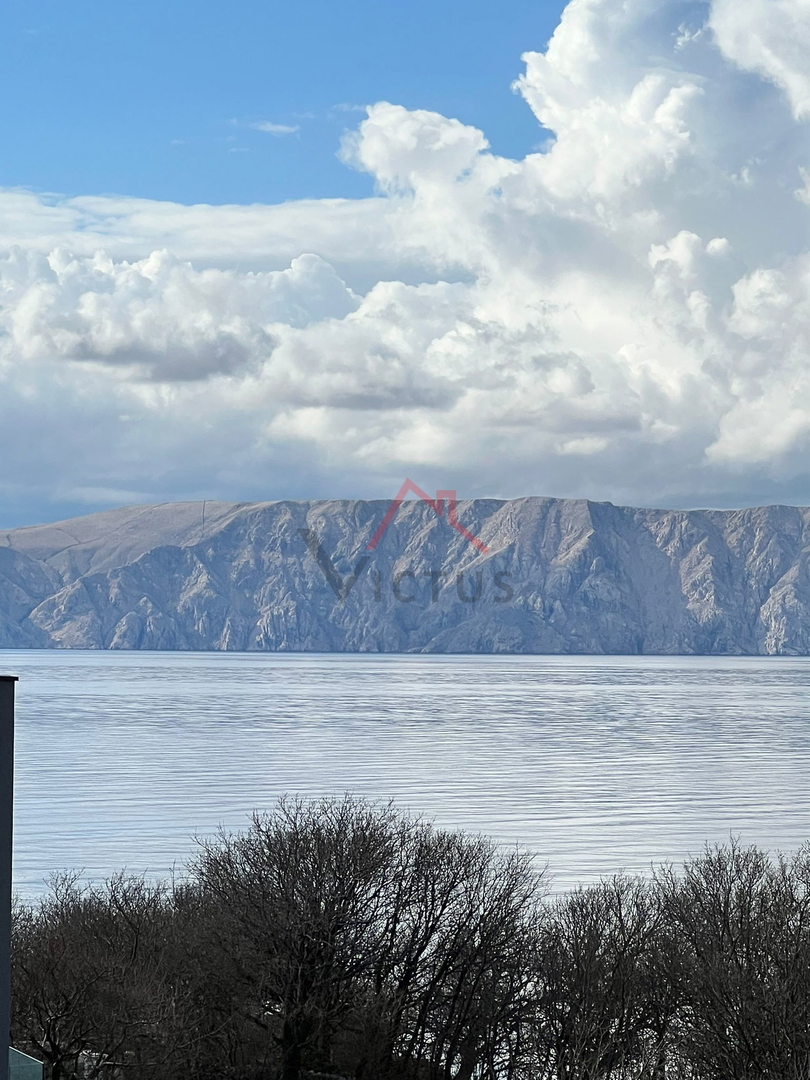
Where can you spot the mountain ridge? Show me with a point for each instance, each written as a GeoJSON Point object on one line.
{"type": "Point", "coordinates": [559, 576]}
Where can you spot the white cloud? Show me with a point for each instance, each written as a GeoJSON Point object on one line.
{"type": "Point", "coordinates": [159, 318]}
{"type": "Point", "coordinates": [771, 38]}
{"type": "Point", "coordinates": [624, 315]}
{"type": "Point", "coordinates": [270, 128]}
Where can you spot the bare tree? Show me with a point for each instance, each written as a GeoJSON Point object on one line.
{"type": "Point", "coordinates": [365, 938]}
{"type": "Point", "coordinates": [296, 911]}
{"type": "Point", "coordinates": [594, 1010]}
{"type": "Point", "coordinates": [743, 922]}
{"type": "Point", "coordinates": [344, 939]}
{"type": "Point", "coordinates": [93, 985]}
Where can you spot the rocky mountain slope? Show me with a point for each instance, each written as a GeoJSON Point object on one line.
{"type": "Point", "coordinates": [559, 576]}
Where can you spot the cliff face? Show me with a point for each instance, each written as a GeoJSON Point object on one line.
{"type": "Point", "coordinates": [559, 576]}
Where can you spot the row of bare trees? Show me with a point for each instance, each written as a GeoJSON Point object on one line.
{"type": "Point", "coordinates": [347, 939]}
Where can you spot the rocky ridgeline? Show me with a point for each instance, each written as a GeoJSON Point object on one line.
{"type": "Point", "coordinates": [559, 576]}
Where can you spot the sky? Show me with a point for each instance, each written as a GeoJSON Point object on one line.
{"type": "Point", "coordinates": [273, 251]}
{"type": "Point", "coordinates": [157, 99]}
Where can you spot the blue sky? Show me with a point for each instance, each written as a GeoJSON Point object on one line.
{"type": "Point", "coordinates": [140, 99]}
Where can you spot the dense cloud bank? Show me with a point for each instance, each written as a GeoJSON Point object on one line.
{"type": "Point", "coordinates": [622, 314]}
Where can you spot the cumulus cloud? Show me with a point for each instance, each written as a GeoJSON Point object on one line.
{"type": "Point", "coordinates": [159, 317]}
{"type": "Point", "coordinates": [769, 37]}
{"type": "Point", "coordinates": [622, 314]}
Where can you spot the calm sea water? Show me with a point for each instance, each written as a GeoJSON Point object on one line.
{"type": "Point", "coordinates": [598, 764]}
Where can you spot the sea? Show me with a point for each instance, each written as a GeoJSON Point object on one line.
{"type": "Point", "coordinates": [597, 764]}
